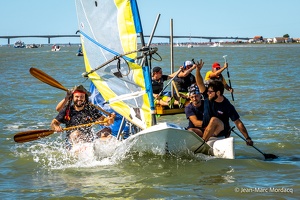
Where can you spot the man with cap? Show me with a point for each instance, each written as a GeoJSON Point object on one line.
{"type": "Point", "coordinates": [194, 110]}
{"type": "Point", "coordinates": [185, 78]}
{"type": "Point", "coordinates": [216, 74]}
{"type": "Point", "coordinates": [78, 111]}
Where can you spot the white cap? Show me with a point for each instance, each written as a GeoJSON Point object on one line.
{"type": "Point", "coordinates": [186, 63]}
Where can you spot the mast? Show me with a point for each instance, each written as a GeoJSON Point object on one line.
{"type": "Point", "coordinates": [144, 64]}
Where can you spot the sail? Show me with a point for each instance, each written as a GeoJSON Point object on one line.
{"type": "Point", "coordinates": [108, 30]}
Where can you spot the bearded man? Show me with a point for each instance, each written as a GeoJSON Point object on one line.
{"type": "Point", "coordinates": [78, 111]}
{"type": "Point", "coordinates": [217, 112]}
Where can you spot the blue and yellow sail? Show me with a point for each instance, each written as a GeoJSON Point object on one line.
{"type": "Point", "coordinates": [109, 29]}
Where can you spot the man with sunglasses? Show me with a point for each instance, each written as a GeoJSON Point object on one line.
{"type": "Point", "coordinates": [218, 110]}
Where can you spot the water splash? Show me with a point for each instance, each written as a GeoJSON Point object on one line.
{"type": "Point", "coordinates": [51, 154]}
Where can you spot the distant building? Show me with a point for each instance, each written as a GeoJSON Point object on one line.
{"type": "Point", "coordinates": [269, 40]}
{"type": "Point", "coordinates": [282, 40]}
{"type": "Point", "coordinates": [257, 39]}
{"type": "Point", "coordinates": [296, 40]}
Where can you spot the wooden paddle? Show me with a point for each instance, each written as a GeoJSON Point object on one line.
{"type": "Point", "coordinates": [42, 76]}
{"type": "Point", "coordinates": [32, 135]}
{"type": "Point", "coordinates": [267, 156]}
{"type": "Point", "coordinates": [175, 88]}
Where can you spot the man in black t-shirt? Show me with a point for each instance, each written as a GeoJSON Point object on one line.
{"type": "Point", "coordinates": [218, 110]}
{"type": "Point", "coordinates": [185, 78]}
{"type": "Point", "coordinates": [78, 113]}
{"type": "Point", "coordinates": [158, 79]}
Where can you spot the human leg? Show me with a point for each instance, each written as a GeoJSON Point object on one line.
{"type": "Point", "coordinates": [214, 127]}
{"type": "Point", "coordinates": [197, 131]}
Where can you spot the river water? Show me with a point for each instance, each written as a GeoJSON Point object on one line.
{"type": "Point", "coordinates": [266, 83]}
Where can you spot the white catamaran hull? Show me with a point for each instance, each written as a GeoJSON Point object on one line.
{"type": "Point", "coordinates": [161, 139]}
{"type": "Point", "coordinates": [166, 138]}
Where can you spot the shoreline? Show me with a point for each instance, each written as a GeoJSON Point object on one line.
{"type": "Point", "coordinates": [185, 45]}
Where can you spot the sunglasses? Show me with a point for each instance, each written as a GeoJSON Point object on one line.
{"type": "Point", "coordinates": [210, 91]}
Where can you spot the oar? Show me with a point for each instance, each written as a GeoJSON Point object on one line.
{"type": "Point", "coordinates": [228, 76]}
{"type": "Point", "coordinates": [267, 156]}
{"type": "Point", "coordinates": [32, 135]}
{"type": "Point", "coordinates": [42, 76]}
{"type": "Point", "coordinates": [175, 88]}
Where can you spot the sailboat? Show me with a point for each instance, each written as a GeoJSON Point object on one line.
{"type": "Point", "coordinates": [216, 44]}
{"type": "Point", "coordinates": [119, 71]}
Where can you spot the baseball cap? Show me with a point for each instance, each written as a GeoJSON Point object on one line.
{"type": "Point", "coordinates": [216, 65]}
{"type": "Point", "coordinates": [156, 69]}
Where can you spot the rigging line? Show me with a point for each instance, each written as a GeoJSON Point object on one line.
{"type": "Point", "coordinates": [104, 47]}
{"type": "Point", "coordinates": [85, 74]}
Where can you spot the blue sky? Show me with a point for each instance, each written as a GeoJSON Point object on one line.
{"type": "Point", "coordinates": [231, 18]}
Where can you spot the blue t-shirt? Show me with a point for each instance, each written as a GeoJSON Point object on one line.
{"type": "Point", "coordinates": [191, 110]}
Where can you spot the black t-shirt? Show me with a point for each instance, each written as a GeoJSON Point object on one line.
{"type": "Point", "coordinates": [222, 110]}
{"type": "Point", "coordinates": [87, 115]}
{"type": "Point", "coordinates": [182, 83]}
{"type": "Point", "coordinates": [158, 86]}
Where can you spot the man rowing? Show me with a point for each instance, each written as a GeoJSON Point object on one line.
{"type": "Point", "coordinates": [218, 110]}
{"type": "Point", "coordinates": [216, 74]}
{"type": "Point", "coordinates": [78, 111]}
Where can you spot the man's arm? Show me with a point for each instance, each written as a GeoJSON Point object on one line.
{"type": "Point", "coordinates": [240, 125]}
{"type": "Point", "coordinates": [195, 121]}
{"type": "Point", "coordinates": [186, 72]}
{"type": "Point", "coordinates": [199, 79]}
{"type": "Point", "coordinates": [109, 119]}
{"type": "Point", "coordinates": [55, 125]}
{"type": "Point", "coordinates": [175, 73]}
{"type": "Point", "coordinates": [218, 72]}
{"type": "Point", "coordinates": [63, 102]}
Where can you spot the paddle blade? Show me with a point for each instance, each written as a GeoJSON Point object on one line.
{"type": "Point", "coordinates": [42, 76]}
{"type": "Point", "coordinates": [28, 136]}
{"type": "Point", "coordinates": [270, 156]}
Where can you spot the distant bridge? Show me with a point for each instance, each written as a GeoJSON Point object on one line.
{"type": "Point", "coordinates": [156, 36]}
{"type": "Point", "coordinates": [36, 36]}
{"type": "Point", "coordinates": [210, 38]}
